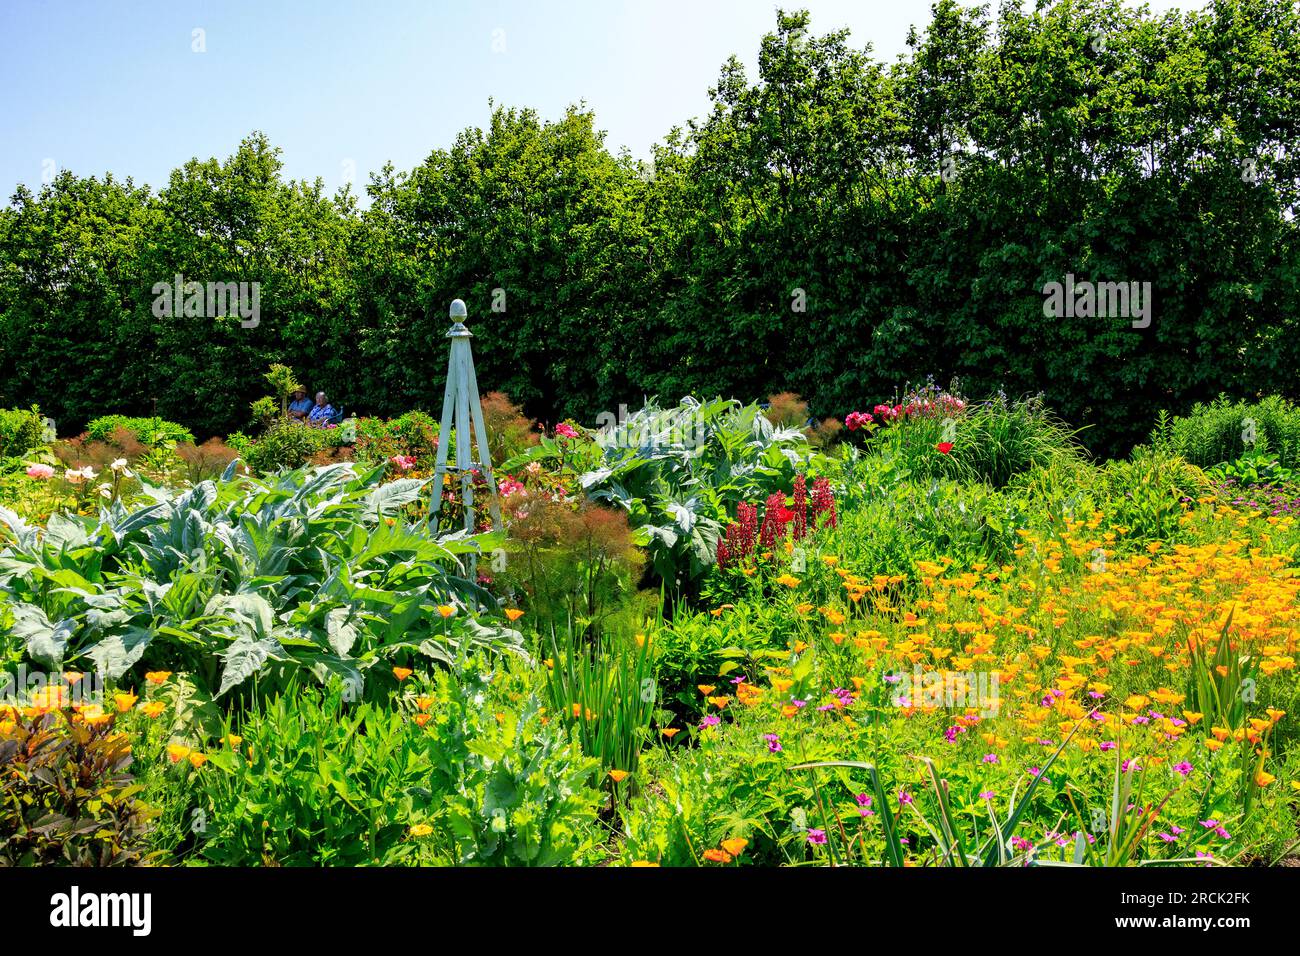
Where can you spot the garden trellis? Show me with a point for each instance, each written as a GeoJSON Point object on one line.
{"type": "Point", "coordinates": [462, 416]}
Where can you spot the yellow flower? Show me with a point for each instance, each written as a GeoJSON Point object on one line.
{"type": "Point", "coordinates": [643, 863]}
{"type": "Point", "coordinates": [420, 830]}
{"type": "Point", "coordinates": [789, 580]}
{"type": "Point", "coordinates": [718, 702]}
{"type": "Point", "coordinates": [177, 752]}
{"type": "Point", "coordinates": [446, 610]}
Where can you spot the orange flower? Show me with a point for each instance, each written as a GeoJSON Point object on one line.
{"type": "Point", "coordinates": [401, 673]}
{"type": "Point", "coordinates": [618, 776]}
{"type": "Point", "coordinates": [124, 702]}
{"type": "Point", "coordinates": [735, 846]}
{"type": "Point", "coordinates": [154, 709]}
{"type": "Point", "coordinates": [670, 732]}
{"type": "Point", "coordinates": [423, 703]}
{"type": "Point", "coordinates": [707, 689]}
{"type": "Point", "coordinates": [157, 677]}
{"type": "Point", "coordinates": [717, 856]}
{"type": "Point", "coordinates": [198, 759]}
{"type": "Point", "coordinates": [422, 719]}
{"type": "Point", "coordinates": [177, 752]}
{"type": "Point", "coordinates": [514, 613]}
{"type": "Point", "coordinates": [446, 610]}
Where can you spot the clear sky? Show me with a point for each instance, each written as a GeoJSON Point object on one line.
{"type": "Point", "coordinates": [342, 86]}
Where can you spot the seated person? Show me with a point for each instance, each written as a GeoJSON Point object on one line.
{"type": "Point", "coordinates": [301, 405]}
{"type": "Point", "coordinates": [322, 412]}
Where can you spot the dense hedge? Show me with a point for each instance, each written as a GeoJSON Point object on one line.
{"type": "Point", "coordinates": [915, 210]}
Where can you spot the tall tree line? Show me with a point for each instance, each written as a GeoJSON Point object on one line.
{"type": "Point", "coordinates": [837, 226]}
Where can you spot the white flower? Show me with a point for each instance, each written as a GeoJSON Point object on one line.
{"type": "Point", "coordinates": [105, 490]}
{"type": "Point", "coordinates": [119, 465]}
{"type": "Point", "coordinates": [77, 475]}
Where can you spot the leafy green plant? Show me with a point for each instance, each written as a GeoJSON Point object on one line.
{"type": "Point", "coordinates": [311, 571]}
{"type": "Point", "coordinates": [605, 694]}
{"type": "Point", "coordinates": [478, 780]}
{"type": "Point", "coordinates": [1222, 431]}
{"type": "Point", "coordinates": [679, 472]}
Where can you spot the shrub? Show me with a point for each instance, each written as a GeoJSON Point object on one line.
{"type": "Point", "coordinates": [152, 432]}
{"type": "Point", "coordinates": [286, 444]}
{"type": "Point", "coordinates": [1221, 431]}
{"type": "Point", "coordinates": [413, 435]}
{"type": "Point", "coordinates": [22, 430]}
{"type": "Point", "coordinates": [65, 794]}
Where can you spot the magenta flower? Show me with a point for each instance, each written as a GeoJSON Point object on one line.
{"type": "Point", "coordinates": [773, 743]}
{"type": "Point", "coordinates": [987, 794]}
{"type": "Point", "coordinates": [904, 798]}
{"type": "Point", "coordinates": [989, 758]}
{"type": "Point", "coordinates": [817, 837]}
{"type": "Point", "coordinates": [1183, 768]}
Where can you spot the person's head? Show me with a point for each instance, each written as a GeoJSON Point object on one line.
{"type": "Point", "coordinates": [299, 394]}
{"type": "Point", "coordinates": [320, 398]}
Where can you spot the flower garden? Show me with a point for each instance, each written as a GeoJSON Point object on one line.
{"type": "Point", "coordinates": [933, 633]}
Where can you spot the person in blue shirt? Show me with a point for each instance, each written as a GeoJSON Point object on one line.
{"type": "Point", "coordinates": [322, 412]}
{"type": "Point", "coordinates": [300, 407]}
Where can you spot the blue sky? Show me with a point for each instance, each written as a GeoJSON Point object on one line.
{"type": "Point", "coordinates": [346, 86]}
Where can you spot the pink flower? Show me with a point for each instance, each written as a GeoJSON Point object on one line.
{"type": "Point", "coordinates": [40, 472]}
{"type": "Point", "coordinates": [856, 420]}
{"type": "Point", "coordinates": [817, 837]}
{"type": "Point", "coordinates": [565, 430]}
{"type": "Point", "coordinates": [404, 462]}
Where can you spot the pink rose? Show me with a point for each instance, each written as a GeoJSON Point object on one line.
{"type": "Point", "coordinates": [40, 472]}
{"type": "Point", "coordinates": [565, 430]}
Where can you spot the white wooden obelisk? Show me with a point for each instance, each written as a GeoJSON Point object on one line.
{"type": "Point", "coordinates": [462, 416]}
